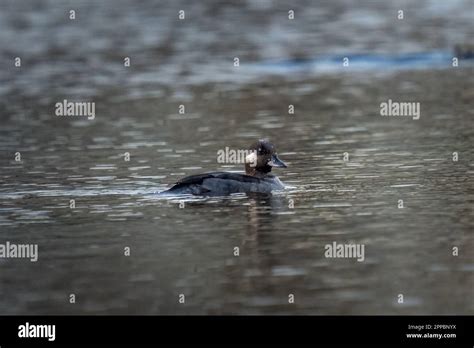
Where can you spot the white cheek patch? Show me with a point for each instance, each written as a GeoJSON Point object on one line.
{"type": "Point", "coordinates": [252, 159]}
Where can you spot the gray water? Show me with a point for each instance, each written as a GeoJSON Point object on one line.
{"type": "Point", "coordinates": [186, 245]}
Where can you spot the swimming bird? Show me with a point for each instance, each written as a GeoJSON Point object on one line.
{"type": "Point", "coordinates": [257, 177]}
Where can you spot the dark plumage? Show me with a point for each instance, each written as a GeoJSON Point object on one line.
{"type": "Point", "coordinates": [257, 176]}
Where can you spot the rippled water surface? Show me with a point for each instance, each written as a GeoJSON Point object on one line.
{"type": "Point", "coordinates": [186, 246]}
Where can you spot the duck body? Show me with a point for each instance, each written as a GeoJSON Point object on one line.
{"type": "Point", "coordinates": [257, 177]}
{"type": "Point", "coordinates": [224, 183]}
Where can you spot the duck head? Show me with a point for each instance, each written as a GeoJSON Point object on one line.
{"type": "Point", "coordinates": [262, 158]}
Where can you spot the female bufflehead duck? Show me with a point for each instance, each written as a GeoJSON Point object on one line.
{"type": "Point", "coordinates": [257, 177]}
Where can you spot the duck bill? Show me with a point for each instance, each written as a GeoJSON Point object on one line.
{"type": "Point", "coordinates": [276, 162]}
